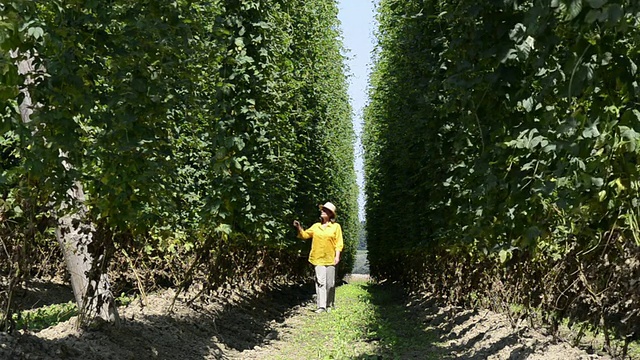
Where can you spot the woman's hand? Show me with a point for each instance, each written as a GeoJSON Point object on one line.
{"type": "Point", "coordinates": [297, 225]}
{"type": "Point", "coordinates": [336, 260]}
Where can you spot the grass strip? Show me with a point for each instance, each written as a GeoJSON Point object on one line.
{"type": "Point", "coordinates": [370, 322]}
{"type": "Point", "coordinates": [44, 317]}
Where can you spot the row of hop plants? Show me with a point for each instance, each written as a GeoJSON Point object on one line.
{"type": "Point", "coordinates": [197, 132]}
{"type": "Point", "coordinates": [501, 140]}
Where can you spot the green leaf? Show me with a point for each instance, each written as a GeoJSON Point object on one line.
{"type": "Point", "coordinates": [596, 181]}
{"type": "Point", "coordinates": [596, 4]}
{"type": "Point", "coordinates": [504, 255]}
{"type": "Point", "coordinates": [591, 131]}
{"type": "Point", "coordinates": [573, 9]}
{"type": "Point", "coordinates": [528, 104]}
{"type": "Point", "coordinates": [602, 195]}
{"type": "Point", "coordinates": [525, 48]}
{"type": "Point", "coordinates": [223, 229]}
{"type": "Point", "coordinates": [35, 32]}
{"type": "Point", "coordinates": [592, 16]}
{"type": "Point", "coordinates": [630, 136]}
{"type": "Point", "coordinates": [614, 13]}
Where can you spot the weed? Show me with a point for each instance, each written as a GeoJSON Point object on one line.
{"type": "Point", "coordinates": [44, 317]}
{"type": "Point", "coordinates": [124, 299]}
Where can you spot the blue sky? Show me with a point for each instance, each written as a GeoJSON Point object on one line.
{"type": "Point", "coordinates": [358, 26]}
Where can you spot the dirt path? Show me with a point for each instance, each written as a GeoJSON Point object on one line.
{"type": "Point", "coordinates": [421, 330]}
{"type": "Point", "coordinates": [370, 322]}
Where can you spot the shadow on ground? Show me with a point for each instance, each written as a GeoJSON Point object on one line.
{"type": "Point", "coordinates": [251, 321]}
{"type": "Point", "coordinates": [198, 331]}
{"type": "Point", "coordinates": [37, 294]}
{"type": "Point", "coordinates": [417, 328]}
{"type": "Point", "coordinates": [405, 328]}
{"type": "Point", "coordinates": [395, 330]}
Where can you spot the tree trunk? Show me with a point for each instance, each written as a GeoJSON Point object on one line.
{"type": "Point", "coordinates": [76, 237]}
{"type": "Point", "coordinates": [88, 271]}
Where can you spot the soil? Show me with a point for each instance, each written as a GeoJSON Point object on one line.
{"type": "Point", "coordinates": [255, 323]}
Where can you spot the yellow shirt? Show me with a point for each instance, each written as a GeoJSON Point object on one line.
{"type": "Point", "coordinates": [325, 242]}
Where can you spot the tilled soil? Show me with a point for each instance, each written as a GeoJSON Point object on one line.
{"type": "Point", "coordinates": [465, 334]}
{"type": "Point", "coordinates": [255, 323]}
{"type": "Point", "coordinates": [235, 322]}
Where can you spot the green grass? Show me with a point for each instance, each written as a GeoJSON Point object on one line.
{"type": "Point", "coordinates": [369, 323]}
{"type": "Point", "coordinates": [44, 317]}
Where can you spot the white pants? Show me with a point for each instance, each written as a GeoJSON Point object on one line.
{"type": "Point", "coordinates": [325, 286]}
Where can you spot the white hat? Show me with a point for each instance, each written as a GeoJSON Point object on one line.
{"type": "Point", "coordinates": [329, 206]}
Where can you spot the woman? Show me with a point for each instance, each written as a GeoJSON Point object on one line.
{"type": "Point", "coordinates": [326, 245]}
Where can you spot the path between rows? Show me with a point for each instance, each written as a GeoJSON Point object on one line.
{"type": "Point", "coordinates": [371, 322]}
{"type": "Point", "coordinates": [374, 322]}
